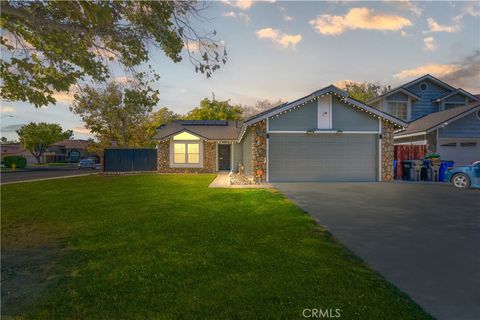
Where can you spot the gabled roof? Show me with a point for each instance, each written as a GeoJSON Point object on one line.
{"type": "Point", "coordinates": [393, 91]}
{"type": "Point", "coordinates": [405, 85]}
{"type": "Point", "coordinates": [435, 120]}
{"type": "Point", "coordinates": [446, 95]}
{"type": "Point", "coordinates": [206, 129]}
{"type": "Point", "coordinates": [331, 89]}
{"type": "Point", "coordinates": [72, 143]}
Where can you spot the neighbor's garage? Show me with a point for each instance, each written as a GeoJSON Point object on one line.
{"type": "Point", "coordinates": [461, 151]}
{"type": "Point", "coordinates": [323, 157]}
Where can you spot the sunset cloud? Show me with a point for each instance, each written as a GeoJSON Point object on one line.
{"type": "Point", "coordinates": [358, 18]}
{"type": "Point", "coordinates": [463, 73]}
{"type": "Point", "coordinates": [439, 70]}
{"type": "Point", "coordinates": [282, 39]}
{"type": "Point", "coordinates": [7, 109]}
{"type": "Point", "coordinates": [434, 26]}
{"type": "Point", "coordinates": [430, 43]}
{"type": "Point", "coordinates": [81, 130]}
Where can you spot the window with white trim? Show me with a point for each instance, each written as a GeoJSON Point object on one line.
{"type": "Point", "coordinates": [397, 109]}
{"type": "Point", "coordinates": [186, 150]}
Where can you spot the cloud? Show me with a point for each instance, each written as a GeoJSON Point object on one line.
{"type": "Point", "coordinates": [358, 18]}
{"type": "Point", "coordinates": [64, 97]}
{"type": "Point", "coordinates": [282, 39]}
{"type": "Point", "coordinates": [404, 34]}
{"type": "Point", "coordinates": [408, 5]}
{"type": "Point", "coordinates": [342, 84]}
{"type": "Point", "coordinates": [11, 127]}
{"type": "Point", "coordinates": [288, 18]}
{"type": "Point", "coordinates": [439, 70]}
{"type": "Point", "coordinates": [471, 8]}
{"type": "Point", "coordinates": [240, 15]}
{"type": "Point", "coordinates": [461, 74]}
{"type": "Point", "coordinates": [467, 73]}
{"type": "Point", "coordinates": [244, 4]}
{"type": "Point", "coordinates": [430, 43]}
{"type": "Point", "coordinates": [7, 109]}
{"type": "Point", "coordinates": [434, 26]}
{"type": "Point", "coordinates": [81, 130]}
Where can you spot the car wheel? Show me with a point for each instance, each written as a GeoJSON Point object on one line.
{"type": "Point", "coordinates": [461, 180]}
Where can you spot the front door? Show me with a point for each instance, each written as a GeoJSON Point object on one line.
{"type": "Point", "coordinates": [224, 157]}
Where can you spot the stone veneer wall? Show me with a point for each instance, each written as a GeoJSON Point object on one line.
{"type": "Point", "coordinates": [259, 150]}
{"type": "Point", "coordinates": [387, 150]}
{"type": "Point", "coordinates": [163, 159]}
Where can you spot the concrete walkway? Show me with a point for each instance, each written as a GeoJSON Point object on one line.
{"type": "Point", "coordinates": [222, 181]}
{"type": "Point", "coordinates": [425, 239]}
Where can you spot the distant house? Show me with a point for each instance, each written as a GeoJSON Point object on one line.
{"type": "Point", "coordinates": [444, 118]}
{"type": "Point", "coordinates": [16, 149]}
{"type": "Point", "coordinates": [69, 150]}
{"type": "Point", "coordinates": [324, 136]}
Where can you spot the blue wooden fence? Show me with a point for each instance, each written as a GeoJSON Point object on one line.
{"type": "Point", "coordinates": [123, 160]}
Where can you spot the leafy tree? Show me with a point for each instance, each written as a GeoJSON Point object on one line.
{"type": "Point", "coordinates": [4, 140]}
{"type": "Point", "coordinates": [156, 119]}
{"type": "Point", "coordinates": [56, 44]}
{"type": "Point", "coordinates": [36, 137]}
{"type": "Point", "coordinates": [260, 106]}
{"type": "Point", "coordinates": [116, 113]}
{"type": "Point", "coordinates": [365, 91]}
{"type": "Point", "coordinates": [215, 110]}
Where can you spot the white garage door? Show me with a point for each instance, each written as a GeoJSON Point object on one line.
{"type": "Point", "coordinates": [462, 151]}
{"type": "Point", "coordinates": [323, 157]}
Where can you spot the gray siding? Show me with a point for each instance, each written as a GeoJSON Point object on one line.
{"type": "Point", "coordinates": [468, 127]}
{"type": "Point", "coordinates": [425, 105]}
{"type": "Point", "coordinates": [247, 142]}
{"type": "Point", "coordinates": [237, 155]}
{"type": "Point", "coordinates": [399, 96]}
{"type": "Point", "coordinates": [323, 157]}
{"type": "Point", "coordinates": [348, 118]}
{"type": "Point", "coordinates": [456, 98]}
{"type": "Point", "coordinates": [303, 118]}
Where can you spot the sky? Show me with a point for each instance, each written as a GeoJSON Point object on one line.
{"type": "Point", "coordinates": [287, 49]}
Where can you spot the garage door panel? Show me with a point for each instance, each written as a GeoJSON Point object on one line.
{"type": "Point", "coordinates": [327, 157]}
{"type": "Point", "coordinates": [461, 151]}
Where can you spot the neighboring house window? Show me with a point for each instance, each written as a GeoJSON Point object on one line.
{"type": "Point", "coordinates": [397, 109]}
{"type": "Point", "coordinates": [451, 105]}
{"type": "Point", "coordinates": [186, 151]}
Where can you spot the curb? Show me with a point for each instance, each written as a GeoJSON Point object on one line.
{"type": "Point", "coordinates": [52, 178]}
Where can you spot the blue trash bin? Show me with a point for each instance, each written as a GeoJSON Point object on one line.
{"type": "Point", "coordinates": [395, 163]}
{"type": "Point", "coordinates": [443, 169]}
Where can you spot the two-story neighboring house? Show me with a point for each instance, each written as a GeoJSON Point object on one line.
{"type": "Point", "coordinates": [444, 118]}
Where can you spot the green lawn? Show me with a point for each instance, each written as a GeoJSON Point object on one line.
{"type": "Point", "coordinates": [166, 246]}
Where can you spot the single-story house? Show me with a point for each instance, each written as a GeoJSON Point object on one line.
{"type": "Point", "coordinates": [453, 133]}
{"type": "Point", "coordinates": [324, 136]}
{"type": "Point", "coordinates": [16, 149]}
{"type": "Point", "coordinates": [70, 150]}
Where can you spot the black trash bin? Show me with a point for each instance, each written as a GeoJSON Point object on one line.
{"type": "Point", "coordinates": [408, 171]}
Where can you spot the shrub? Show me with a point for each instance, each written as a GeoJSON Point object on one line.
{"type": "Point", "coordinates": [20, 162]}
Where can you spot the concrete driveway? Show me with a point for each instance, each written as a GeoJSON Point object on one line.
{"type": "Point", "coordinates": [425, 239]}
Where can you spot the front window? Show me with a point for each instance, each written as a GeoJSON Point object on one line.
{"type": "Point", "coordinates": [186, 150]}
{"type": "Point", "coordinates": [186, 153]}
{"type": "Point", "coordinates": [397, 109]}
